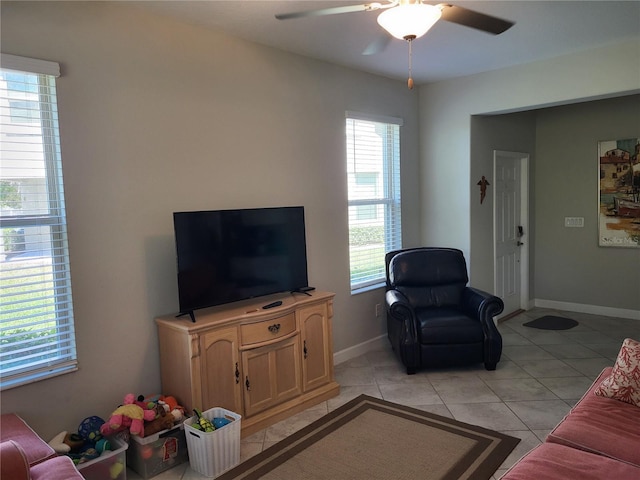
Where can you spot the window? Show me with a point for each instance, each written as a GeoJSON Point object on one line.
{"type": "Point", "coordinates": [373, 176]}
{"type": "Point", "coordinates": [36, 315]}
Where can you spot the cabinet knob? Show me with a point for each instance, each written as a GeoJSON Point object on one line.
{"type": "Point", "coordinates": [247, 384]}
{"type": "Point", "coordinates": [305, 349]}
{"type": "Point", "coordinates": [237, 374]}
{"type": "Point", "coordinates": [275, 328]}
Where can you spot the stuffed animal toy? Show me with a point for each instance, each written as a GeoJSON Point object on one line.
{"type": "Point", "coordinates": [163, 421]}
{"type": "Point", "coordinates": [169, 403]}
{"type": "Point", "coordinates": [149, 401]}
{"type": "Point", "coordinates": [58, 443]}
{"type": "Point", "coordinates": [171, 406]}
{"type": "Point", "coordinates": [87, 437]}
{"type": "Point", "coordinates": [129, 416]}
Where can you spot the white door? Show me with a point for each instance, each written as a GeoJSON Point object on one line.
{"type": "Point", "coordinates": [511, 229]}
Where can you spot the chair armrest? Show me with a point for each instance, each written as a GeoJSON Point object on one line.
{"type": "Point", "coordinates": [402, 329]}
{"type": "Point", "coordinates": [398, 306]}
{"type": "Point", "coordinates": [481, 305]}
{"type": "Point", "coordinates": [399, 309]}
{"type": "Point", "coordinates": [484, 307]}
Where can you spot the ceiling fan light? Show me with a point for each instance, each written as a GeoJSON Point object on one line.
{"type": "Point", "coordinates": [409, 20]}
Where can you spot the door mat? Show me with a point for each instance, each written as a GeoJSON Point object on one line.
{"type": "Point", "coordinates": [550, 322]}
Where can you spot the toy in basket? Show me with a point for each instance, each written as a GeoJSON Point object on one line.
{"type": "Point", "coordinates": [213, 452]}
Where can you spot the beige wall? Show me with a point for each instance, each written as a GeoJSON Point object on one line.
{"type": "Point", "coordinates": [156, 117]}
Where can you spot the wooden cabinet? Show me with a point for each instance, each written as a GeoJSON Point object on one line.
{"type": "Point", "coordinates": [317, 366]}
{"type": "Point", "coordinates": [272, 375]}
{"type": "Point", "coordinates": [220, 365]}
{"type": "Point", "coordinates": [265, 364]}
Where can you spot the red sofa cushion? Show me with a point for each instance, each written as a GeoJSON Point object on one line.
{"type": "Point", "coordinates": [13, 462]}
{"type": "Point", "coordinates": [12, 427]}
{"type": "Point", "coordinates": [550, 461]}
{"type": "Point", "coordinates": [601, 425]}
{"type": "Point", "coordinates": [59, 468]}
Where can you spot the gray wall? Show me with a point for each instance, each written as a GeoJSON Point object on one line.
{"type": "Point", "coordinates": [513, 133]}
{"type": "Point", "coordinates": [158, 116]}
{"type": "Point", "coordinates": [448, 177]}
{"type": "Point", "coordinates": [569, 265]}
{"type": "Point", "coordinates": [566, 265]}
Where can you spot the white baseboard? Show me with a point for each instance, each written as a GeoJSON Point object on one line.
{"type": "Point", "coordinates": [382, 341]}
{"type": "Point", "coordinates": [360, 349]}
{"type": "Point", "coordinates": [593, 309]}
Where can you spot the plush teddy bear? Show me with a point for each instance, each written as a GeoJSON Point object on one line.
{"type": "Point", "coordinates": [163, 421]}
{"type": "Point", "coordinates": [129, 416]}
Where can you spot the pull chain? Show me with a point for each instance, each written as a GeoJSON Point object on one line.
{"type": "Point", "coordinates": [410, 39]}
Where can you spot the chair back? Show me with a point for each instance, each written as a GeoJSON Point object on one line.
{"type": "Point", "coordinates": [428, 276]}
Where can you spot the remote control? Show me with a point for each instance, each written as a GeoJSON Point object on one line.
{"type": "Point", "coordinates": [306, 289]}
{"type": "Point", "coordinates": [277, 303]}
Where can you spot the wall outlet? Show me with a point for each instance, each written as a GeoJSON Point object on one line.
{"type": "Point", "coordinates": [378, 309]}
{"type": "Point", "coordinates": [574, 222]}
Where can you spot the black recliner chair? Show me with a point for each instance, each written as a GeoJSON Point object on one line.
{"type": "Point", "coordinates": [433, 318]}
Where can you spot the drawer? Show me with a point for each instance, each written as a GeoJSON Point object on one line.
{"type": "Point", "coordinates": [267, 330]}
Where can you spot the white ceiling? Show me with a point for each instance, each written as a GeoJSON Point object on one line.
{"type": "Point", "coordinates": [543, 29]}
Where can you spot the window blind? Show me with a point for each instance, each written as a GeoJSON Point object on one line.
{"type": "Point", "coordinates": [373, 176]}
{"type": "Point", "coordinates": [37, 338]}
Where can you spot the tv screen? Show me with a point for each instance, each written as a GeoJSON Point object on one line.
{"type": "Point", "coordinates": [230, 255]}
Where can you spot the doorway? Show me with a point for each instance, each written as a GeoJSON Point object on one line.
{"type": "Point", "coordinates": [511, 229]}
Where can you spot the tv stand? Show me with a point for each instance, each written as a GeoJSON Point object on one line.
{"type": "Point", "coordinates": [304, 290]}
{"type": "Point", "coordinates": [190, 313]}
{"type": "Point", "coordinates": [264, 364]}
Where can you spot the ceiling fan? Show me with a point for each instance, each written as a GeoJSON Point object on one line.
{"type": "Point", "coordinates": [411, 19]}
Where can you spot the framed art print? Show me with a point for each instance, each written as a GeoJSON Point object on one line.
{"type": "Point", "coordinates": [619, 192]}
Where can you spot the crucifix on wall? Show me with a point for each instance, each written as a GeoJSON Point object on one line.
{"type": "Point", "coordinates": [483, 188]}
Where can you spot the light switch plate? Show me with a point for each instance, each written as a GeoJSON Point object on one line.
{"type": "Point", "coordinates": [574, 222]}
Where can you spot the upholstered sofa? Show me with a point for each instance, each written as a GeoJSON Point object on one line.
{"type": "Point", "coordinates": [598, 439]}
{"type": "Point", "coordinates": [25, 456]}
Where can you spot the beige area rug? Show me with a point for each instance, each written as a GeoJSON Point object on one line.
{"type": "Point", "coordinates": [369, 439]}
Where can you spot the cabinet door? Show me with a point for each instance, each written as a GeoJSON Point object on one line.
{"type": "Point", "coordinates": [271, 375]}
{"type": "Point", "coordinates": [220, 370]}
{"type": "Point", "coordinates": [316, 363]}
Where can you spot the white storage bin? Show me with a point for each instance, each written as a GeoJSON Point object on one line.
{"type": "Point", "coordinates": [213, 453]}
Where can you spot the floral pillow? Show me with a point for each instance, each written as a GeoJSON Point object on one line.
{"type": "Point", "coordinates": [624, 382]}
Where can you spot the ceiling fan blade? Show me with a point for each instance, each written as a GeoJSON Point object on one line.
{"type": "Point", "coordinates": [473, 19]}
{"type": "Point", "coordinates": [324, 11]}
{"type": "Point", "coordinates": [378, 45]}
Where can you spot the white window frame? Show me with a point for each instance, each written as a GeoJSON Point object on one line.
{"type": "Point", "coordinates": [373, 147]}
{"type": "Point", "coordinates": [36, 308]}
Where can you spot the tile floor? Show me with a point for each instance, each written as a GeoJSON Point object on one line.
{"type": "Point", "coordinates": [540, 376]}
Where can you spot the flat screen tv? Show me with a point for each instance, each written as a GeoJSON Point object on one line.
{"type": "Point", "coordinates": [229, 255]}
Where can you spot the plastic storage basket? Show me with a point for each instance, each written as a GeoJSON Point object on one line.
{"type": "Point", "coordinates": [149, 456]}
{"type": "Point", "coordinates": [213, 453]}
{"type": "Point", "coordinates": [110, 465]}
